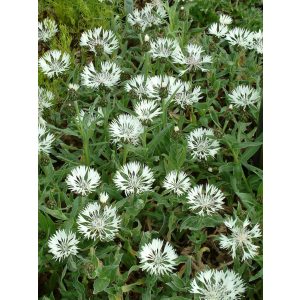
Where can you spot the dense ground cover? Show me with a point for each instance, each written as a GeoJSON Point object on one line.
{"type": "Point", "coordinates": [150, 171]}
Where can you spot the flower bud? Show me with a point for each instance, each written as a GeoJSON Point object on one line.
{"type": "Point", "coordinates": [103, 197]}
{"type": "Point", "coordinates": [146, 38]}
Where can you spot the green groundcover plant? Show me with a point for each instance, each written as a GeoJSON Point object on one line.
{"type": "Point", "coordinates": [150, 146]}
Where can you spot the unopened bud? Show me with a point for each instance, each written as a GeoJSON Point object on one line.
{"type": "Point", "coordinates": [73, 87]}
{"type": "Point", "coordinates": [182, 7]}
{"type": "Point", "coordinates": [146, 38]}
{"type": "Point", "coordinates": [230, 106]}
{"type": "Point", "coordinates": [210, 169]}
{"type": "Point", "coordinates": [176, 129]}
{"type": "Point", "coordinates": [103, 197]}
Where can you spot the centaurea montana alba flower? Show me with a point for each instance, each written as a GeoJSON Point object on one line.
{"type": "Point", "coordinates": [205, 200]}
{"type": "Point", "coordinates": [202, 144]}
{"type": "Point", "coordinates": [243, 96]}
{"type": "Point", "coordinates": [45, 101]}
{"type": "Point", "coordinates": [218, 285]}
{"type": "Point", "coordinates": [108, 76]}
{"type": "Point", "coordinates": [163, 48]}
{"type": "Point", "coordinates": [47, 29]}
{"type": "Point", "coordinates": [62, 244]}
{"type": "Point", "coordinates": [240, 37]}
{"type": "Point", "coordinates": [126, 129]}
{"type": "Point", "coordinates": [147, 110]}
{"type": "Point", "coordinates": [241, 239]}
{"type": "Point", "coordinates": [158, 257]}
{"type": "Point", "coordinates": [134, 178]}
{"type": "Point", "coordinates": [192, 57]}
{"type": "Point", "coordinates": [257, 42]}
{"type": "Point", "coordinates": [83, 180]}
{"type": "Point", "coordinates": [217, 29]}
{"type": "Point", "coordinates": [99, 38]}
{"type": "Point", "coordinates": [158, 87]}
{"type": "Point", "coordinates": [177, 182]}
{"type": "Point", "coordinates": [54, 63]}
{"type": "Point", "coordinates": [97, 222]}
{"type": "Point", "coordinates": [45, 139]}
{"type": "Point", "coordinates": [137, 85]}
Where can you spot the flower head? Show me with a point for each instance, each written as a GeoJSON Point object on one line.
{"type": "Point", "coordinates": [241, 239]}
{"type": "Point", "coordinates": [134, 178]}
{"type": "Point", "coordinates": [158, 258]}
{"type": "Point", "coordinates": [147, 110]}
{"type": "Point", "coordinates": [239, 36]}
{"type": "Point", "coordinates": [83, 180]}
{"type": "Point", "coordinates": [193, 59]}
{"type": "Point", "coordinates": [177, 182]}
{"type": "Point", "coordinates": [45, 139]}
{"type": "Point", "coordinates": [218, 285]}
{"type": "Point", "coordinates": [138, 86]}
{"type": "Point", "coordinates": [158, 87]}
{"type": "Point", "coordinates": [126, 129]}
{"type": "Point", "coordinates": [163, 48]}
{"type": "Point", "coordinates": [202, 144]}
{"type": "Point", "coordinates": [257, 42]}
{"type": "Point", "coordinates": [73, 86]}
{"type": "Point", "coordinates": [244, 96]}
{"type": "Point", "coordinates": [47, 30]}
{"type": "Point", "coordinates": [205, 200]}
{"type": "Point", "coordinates": [98, 37]}
{"type": "Point", "coordinates": [98, 222]}
{"type": "Point", "coordinates": [54, 62]}
{"type": "Point", "coordinates": [225, 20]}
{"type": "Point", "coordinates": [62, 244]}
{"type": "Point", "coordinates": [45, 101]}
{"type": "Point", "coordinates": [218, 29]}
{"type": "Point", "coordinates": [108, 76]}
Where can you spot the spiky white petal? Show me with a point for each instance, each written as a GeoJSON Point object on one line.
{"type": "Point", "coordinates": [257, 42]}
{"type": "Point", "coordinates": [242, 237]}
{"type": "Point", "coordinates": [47, 29]}
{"type": "Point", "coordinates": [205, 200]}
{"type": "Point", "coordinates": [192, 58]}
{"type": "Point", "coordinates": [218, 285]}
{"type": "Point", "coordinates": [244, 96]}
{"type": "Point", "coordinates": [54, 63]}
{"type": "Point", "coordinates": [99, 37]}
{"type": "Point", "coordinates": [62, 244]}
{"type": "Point", "coordinates": [126, 129]}
{"type": "Point", "coordinates": [225, 20]}
{"type": "Point", "coordinates": [134, 178]}
{"type": "Point", "coordinates": [147, 110]}
{"type": "Point", "coordinates": [98, 222]}
{"type": "Point", "coordinates": [45, 139]}
{"type": "Point", "coordinates": [202, 144]}
{"type": "Point", "coordinates": [138, 86]}
{"type": "Point", "coordinates": [83, 180]}
{"type": "Point", "coordinates": [109, 75]}
{"type": "Point", "coordinates": [218, 29]}
{"type": "Point", "coordinates": [163, 48]}
{"type": "Point", "coordinates": [239, 36]}
{"type": "Point", "coordinates": [177, 182]}
{"type": "Point", "coordinates": [158, 258]}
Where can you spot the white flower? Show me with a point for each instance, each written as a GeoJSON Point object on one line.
{"type": "Point", "coordinates": [183, 94]}
{"type": "Point", "coordinates": [98, 37]}
{"type": "Point", "coordinates": [47, 30]}
{"type": "Point", "coordinates": [201, 144]}
{"type": "Point", "coordinates": [138, 86]}
{"type": "Point", "coordinates": [218, 285]}
{"type": "Point", "coordinates": [158, 258]}
{"type": "Point", "coordinates": [73, 86]}
{"type": "Point", "coordinates": [62, 244]}
{"type": "Point", "coordinates": [103, 197]}
{"type": "Point", "coordinates": [177, 182]}
{"type": "Point", "coordinates": [126, 129]}
{"type": "Point", "coordinates": [147, 110]}
{"type": "Point", "coordinates": [45, 139]}
{"type": "Point", "coordinates": [150, 15]}
{"type": "Point", "coordinates": [193, 59]}
{"type": "Point", "coordinates": [244, 96]}
{"type": "Point", "coordinates": [83, 180]}
{"type": "Point", "coordinates": [98, 222]}
{"type": "Point", "coordinates": [163, 48]}
{"type": "Point", "coordinates": [158, 87]}
{"type": "Point", "coordinates": [108, 76]}
{"type": "Point", "coordinates": [241, 238]}
{"type": "Point", "coordinates": [239, 36]}
{"type": "Point", "coordinates": [134, 178]}
{"type": "Point", "coordinates": [225, 20]}
{"type": "Point", "coordinates": [205, 200]}
{"type": "Point", "coordinates": [45, 101]}
{"type": "Point", "coordinates": [90, 116]}
{"type": "Point", "coordinates": [54, 62]}
{"type": "Point", "coordinates": [218, 30]}
{"type": "Point", "coordinates": [257, 42]}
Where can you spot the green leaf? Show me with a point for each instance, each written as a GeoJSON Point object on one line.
{"type": "Point", "coordinates": [54, 213]}
{"type": "Point", "coordinates": [198, 222]}
{"type": "Point", "coordinates": [100, 284]}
